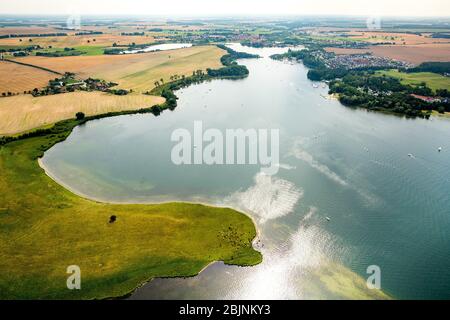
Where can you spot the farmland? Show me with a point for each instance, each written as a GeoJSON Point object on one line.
{"type": "Point", "coordinates": [18, 78]}
{"type": "Point", "coordinates": [396, 38]}
{"type": "Point", "coordinates": [433, 81]}
{"type": "Point", "coordinates": [27, 30]}
{"type": "Point", "coordinates": [135, 71]}
{"type": "Point", "coordinates": [25, 112]}
{"type": "Point", "coordinates": [413, 48]}
{"type": "Point", "coordinates": [106, 40]}
{"type": "Point", "coordinates": [414, 54]}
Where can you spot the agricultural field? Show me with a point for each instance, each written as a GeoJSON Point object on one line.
{"type": "Point", "coordinates": [18, 78]}
{"type": "Point", "coordinates": [27, 30]}
{"type": "Point", "coordinates": [105, 40]}
{"type": "Point", "coordinates": [408, 47]}
{"type": "Point", "coordinates": [135, 71]}
{"type": "Point", "coordinates": [433, 80]}
{"type": "Point", "coordinates": [414, 54]}
{"type": "Point", "coordinates": [24, 112]}
{"type": "Point", "coordinates": [395, 38]}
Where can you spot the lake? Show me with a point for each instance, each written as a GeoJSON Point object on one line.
{"type": "Point", "coordinates": [378, 178]}
{"type": "Point", "coordinates": [159, 47]}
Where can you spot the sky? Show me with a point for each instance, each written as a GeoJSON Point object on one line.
{"type": "Point", "coordinates": [230, 7]}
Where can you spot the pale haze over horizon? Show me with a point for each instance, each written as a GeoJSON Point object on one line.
{"type": "Point", "coordinates": [227, 7]}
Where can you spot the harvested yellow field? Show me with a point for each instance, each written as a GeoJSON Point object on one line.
{"type": "Point", "coordinates": [28, 30]}
{"type": "Point", "coordinates": [416, 54]}
{"type": "Point", "coordinates": [106, 40]}
{"type": "Point", "coordinates": [135, 71]}
{"type": "Point", "coordinates": [25, 112]}
{"type": "Point", "coordinates": [18, 78]}
{"type": "Point", "coordinates": [396, 38]}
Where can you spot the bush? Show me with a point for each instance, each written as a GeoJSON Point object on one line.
{"type": "Point", "coordinates": [156, 110]}
{"type": "Point", "coordinates": [80, 115]}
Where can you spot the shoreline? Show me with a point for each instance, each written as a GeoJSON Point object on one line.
{"type": "Point", "coordinates": [102, 201]}
{"type": "Point", "coordinates": [209, 205]}
{"type": "Point", "coordinates": [46, 173]}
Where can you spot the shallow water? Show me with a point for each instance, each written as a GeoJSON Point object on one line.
{"type": "Point", "coordinates": [385, 208]}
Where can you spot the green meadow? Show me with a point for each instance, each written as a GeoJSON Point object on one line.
{"type": "Point", "coordinates": [433, 80]}
{"type": "Point", "coordinates": [45, 228]}
{"type": "Point", "coordinates": [82, 50]}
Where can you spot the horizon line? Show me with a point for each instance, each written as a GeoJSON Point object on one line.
{"type": "Point", "coordinates": [229, 15]}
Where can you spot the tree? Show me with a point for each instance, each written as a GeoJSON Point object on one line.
{"type": "Point", "coordinates": [156, 110]}
{"type": "Point", "coordinates": [80, 116]}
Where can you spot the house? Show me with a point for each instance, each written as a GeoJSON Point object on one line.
{"type": "Point", "coordinates": [425, 98]}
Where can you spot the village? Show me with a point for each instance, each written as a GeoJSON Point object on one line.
{"type": "Point", "coordinates": [69, 83]}
{"type": "Point", "coordinates": [357, 61]}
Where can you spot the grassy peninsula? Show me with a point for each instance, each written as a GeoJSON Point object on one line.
{"type": "Point", "coordinates": [44, 228]}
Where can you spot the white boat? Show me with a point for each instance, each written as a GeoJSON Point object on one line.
{"type": "Point", "coordinates": [439, 149]}
{"type": "Point", "coordinates": [328, 218]}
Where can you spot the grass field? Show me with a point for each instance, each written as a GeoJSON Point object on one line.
{"type": "Point", "coordinates": [135, 71]}
{"type": "Point", "coordinates": [91, 50]}
{"type": "Point", "coordinates": [24, 112]}
{"type": "Point", "coordinates": [17, 78]}
{"type": "Point", "coordinates": [86, 50]}
{"type": "Point", "coordinates": [45, 228]}
{"type": "Point", "coordinates": [433, 80]}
